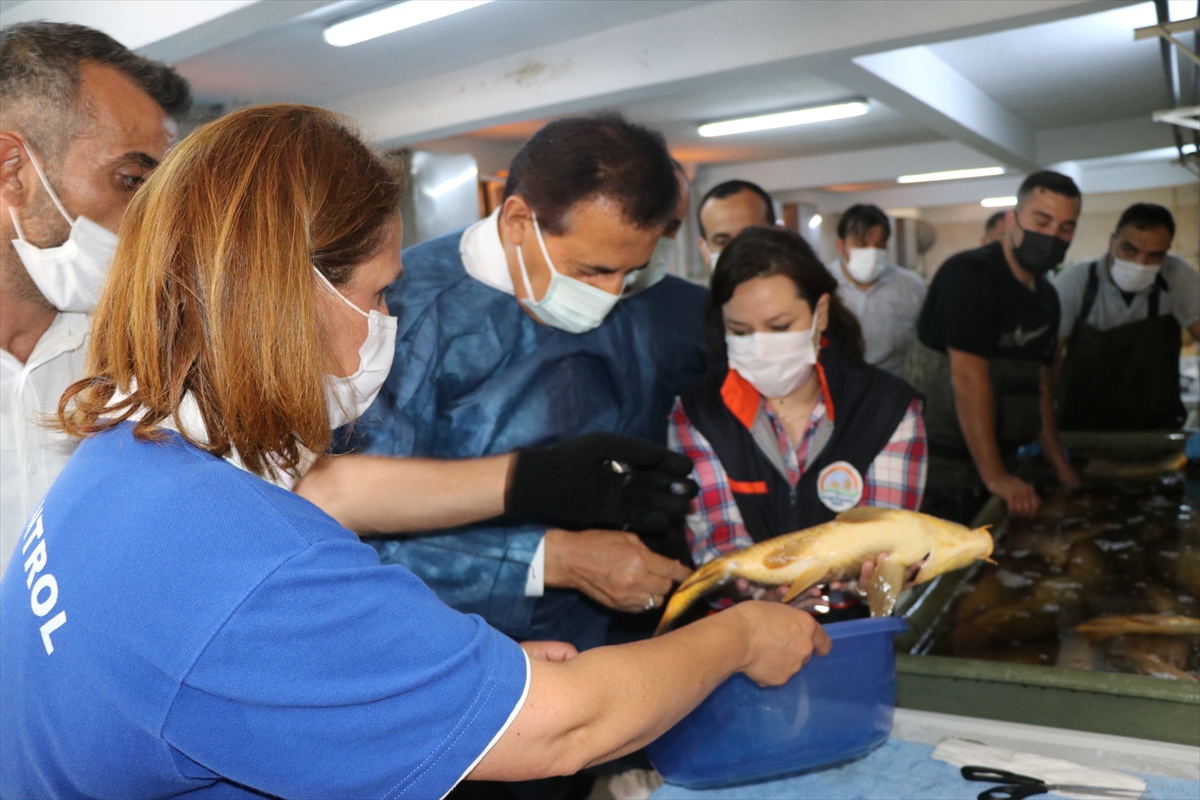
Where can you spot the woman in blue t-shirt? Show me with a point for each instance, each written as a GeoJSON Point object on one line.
{"type": "Point", "coordinates": [176, 620]}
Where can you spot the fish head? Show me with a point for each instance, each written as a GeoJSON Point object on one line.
{"type": "Point", "coordinates": [954, 548]}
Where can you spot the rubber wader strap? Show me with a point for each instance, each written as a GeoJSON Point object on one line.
{"type": "Point", "coordinates": [1089, 293]}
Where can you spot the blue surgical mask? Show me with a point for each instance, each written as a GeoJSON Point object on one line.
{"type": "Point", "coordinates": [653, 272]}
{"type": "Point", "coordinates": [570, 304]}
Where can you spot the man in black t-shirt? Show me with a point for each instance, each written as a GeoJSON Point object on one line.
{"type": "Point", "coordinates": [986, 344]}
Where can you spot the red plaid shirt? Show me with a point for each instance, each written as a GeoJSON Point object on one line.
{"type": "Point", "coordinates": [896, 478]}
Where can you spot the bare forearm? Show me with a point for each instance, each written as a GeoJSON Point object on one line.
{"type": "Point", "coordinates": [612, 700]}
{"type": "Point", "coordinates": [976, 412]}
{"type": "Point", "coordinates": [374, 494]}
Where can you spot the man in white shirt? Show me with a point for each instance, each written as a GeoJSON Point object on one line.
{"type": "Point", "coordinates": [1119, 335]}
{"type": "Point", "coordinates": [886, 298]}
{"type": "Point", "coordinates": [82, 121]}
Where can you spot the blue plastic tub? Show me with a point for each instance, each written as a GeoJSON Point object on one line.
{"type": "Point", "coordinates": [835, 709]}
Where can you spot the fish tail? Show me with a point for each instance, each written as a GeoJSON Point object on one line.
{"type": "Point", "coordinates": [699, 583]}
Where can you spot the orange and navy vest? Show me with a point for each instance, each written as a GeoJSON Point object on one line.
{"type": "Point", "coordinates": [865, 404]}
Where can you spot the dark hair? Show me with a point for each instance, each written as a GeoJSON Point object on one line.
{"type": "Point", "coordinates": [581, 158]}
{"type": "Point", "coordinates": [1050, 181]}
{"type": "Point", "coordinates": [1147, 215]}
{"type": "Point", "coordinates": [858, 219]}
{"type": "Point", "coordinates": [39, 73]}
{"type": "Point", "coordinates": [729, 188]}
{"type": "Point", "coordinates": [760, 252]}
{"type": "Point", "coordinates": [994, 220]}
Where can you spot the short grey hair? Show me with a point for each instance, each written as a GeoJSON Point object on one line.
{"type": "Point", "coordinates": [40, 80]}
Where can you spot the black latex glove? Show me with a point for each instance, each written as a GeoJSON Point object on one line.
{"type": "Point", "coordinates": [601, 480]}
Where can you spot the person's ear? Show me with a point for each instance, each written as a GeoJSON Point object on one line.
{"type": "Point", "coordinates": [14, 192]}
{"type": "Point", "coordinates": [823, 313]}
{"type": "Point", "coordinates": [516, 218]}
{"type": "Point", "coordinates": [839, 244]}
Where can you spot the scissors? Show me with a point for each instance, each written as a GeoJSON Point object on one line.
{"type": "Point", "coordinates": [1017, 786]}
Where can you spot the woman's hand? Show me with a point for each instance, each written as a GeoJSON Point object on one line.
{"type": "Point", "coordinates": [550, 651]}
{"type": "Point", "coordinates": [868, 569]}
{"type": "Point", "coordinates": [782, 639]}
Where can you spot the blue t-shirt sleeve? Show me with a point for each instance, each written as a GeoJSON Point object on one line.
{"type": "Point", "coordinates": [338, 677]}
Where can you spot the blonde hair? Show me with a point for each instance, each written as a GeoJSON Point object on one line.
{"type": "Point", "coordinates": [211, 291]}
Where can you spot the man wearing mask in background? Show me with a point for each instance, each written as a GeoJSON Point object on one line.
{"type": "Point", "coordinates": [885, 298]}
{"type": "Point", "coordinates": [993, 229]}
{"type": "Point", "coordinates": [512, 334]}
{"type": "Point", "coordinates": [1120, 329]}
{"type": "Point", "coordinates": [82, 121]}
{"type": "Point", "coordinates": [642, 279]}
{"type": "Point", "coordinates": [726, 210]}
{"type": "Point", "coordinates": [986, 342]}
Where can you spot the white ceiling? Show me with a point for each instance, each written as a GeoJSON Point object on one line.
{"type": "Point", "coordinates": [958, 83]}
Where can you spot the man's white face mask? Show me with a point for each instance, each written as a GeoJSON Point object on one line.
{"type": "Point", "coordinates": [1132, 277]}
{"type": "Point", "coordinates": [349, 398]}
{"type": "Point", "coordinates": [866, 264]}
{"type": "Point", "coordinates": [570, 304]}
{"type": "Point", "coordinates": [70, 276]}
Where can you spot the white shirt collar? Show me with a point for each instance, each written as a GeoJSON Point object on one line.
{"type": "Point", "coordinates": [483, 254]}
{"type": "Point", "coordinates": [66, 333]}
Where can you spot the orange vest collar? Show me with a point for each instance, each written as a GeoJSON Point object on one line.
{"type": "Point", "coordinates": [740, 398]}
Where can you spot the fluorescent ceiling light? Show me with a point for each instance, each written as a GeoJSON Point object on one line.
{"type": "Point", "coordinates": [951, 175]}
{"type": "Point", "coordinates": [815, 222]}
{"type": "Point", "coordinates": [453, 183]}
{"type": "Point", "coordinates": [394, 18]}
{"type": "Point", "coordinates": [998, 202]}
{"type": "Point", "coordinates": [785, 119]}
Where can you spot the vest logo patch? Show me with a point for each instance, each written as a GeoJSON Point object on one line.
{"type": "Point", "coordinates": [840, 486]}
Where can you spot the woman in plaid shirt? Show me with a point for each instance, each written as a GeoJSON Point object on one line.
{"type": "Point", "coordinates": [793, 427]}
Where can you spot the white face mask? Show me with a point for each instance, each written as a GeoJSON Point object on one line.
{"type": "Point", "coordinates": [776, 364]}
{"type": "Point", "coordinates": [570, 304]}
{"type": "Point", "coordinates": [653, 272]}
{"type": "Point", "coordinates": [713, 255]}
{"type": "Point", "coordinates": [348, 398]}
{"type": "Point", "coordinates": [866, 264]}
{"type": "Point", "coordinates": [1132, 277]}
{"type": "Point", "coordinates": [71, 275]}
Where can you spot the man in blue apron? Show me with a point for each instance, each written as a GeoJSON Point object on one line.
{"type": "Point", "coordinates": [1120, 330]}
{"type": "Point", "coordinates": [514, 333]}
{"type": "Point", "coordinates": [986, 341]}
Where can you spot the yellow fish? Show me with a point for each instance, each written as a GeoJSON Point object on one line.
{"type": "Point", "coordinates": [1100, 628]}
{"type": "Point", "coordinates": [836, 550]}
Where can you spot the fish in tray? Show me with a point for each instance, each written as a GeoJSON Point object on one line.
{"type": "Point", "coordinates": [1102, 628]}
{"type": "Point", "coordinates": [836, 550]}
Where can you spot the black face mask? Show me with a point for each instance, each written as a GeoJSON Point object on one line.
{"type": "Point", "coordinates": [1039, 252]}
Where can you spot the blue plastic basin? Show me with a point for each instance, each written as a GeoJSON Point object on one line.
{"type": "Point", "coordinates": [836, 708]}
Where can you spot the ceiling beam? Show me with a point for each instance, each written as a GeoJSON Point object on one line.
{"type": "Point", "coordinates": [648, 58]}
{"type": "Point", "coordinates": [883, 164]}
{"type": "Point", "coordinates": [927, 90]}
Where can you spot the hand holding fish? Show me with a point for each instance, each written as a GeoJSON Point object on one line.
{"type": "Point", "coordinates": [815, 595]}
{"type": "Point", "coordinates": [894, 540]}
